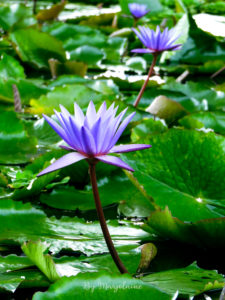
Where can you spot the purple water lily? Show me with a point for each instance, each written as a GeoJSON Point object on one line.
{"type": "Point", "coordinates": [156, 41]}
{"type": "Point", "coordinates": [138, 10]}
{"type": "Point", "coordinates": [92, 136]}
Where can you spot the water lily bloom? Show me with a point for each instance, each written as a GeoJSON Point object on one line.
{"type": "Point", "coordinates": [91, 137]}
{"type": "Point", "coordinates": [138, 10]}
{"type": "Point", "coordinates": [156, 41]}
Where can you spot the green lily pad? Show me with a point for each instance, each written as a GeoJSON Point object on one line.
{"type": "Point", "coordinates": [101, 286]}
{"type": "Point", "coordinates": [137, 63]}
{"type": "Point", "coordinates": [10, 282]}
{"type": "Point", "coordinates": [196, 96]}
{"type": "Point", "coordinates": [193, 96]}
{"type": "Point", "coordinates": [15, 15]}
{"type": "Point", "coordinates": [27, 184]}
{"type": "Point", "coordinates": [118, 45]}
{"type": "Point", "coordinates": [37, 47]}
{"type": "Point", "coordinates": [214, 120]}
{"type": "Point", "coordinates": [129, 254]}
{"type": "Point", "coordinates": [27, 88]}
{"type": "Point", "coordinates": [147, 127]}
{"type": "Point", "coordinates": [74, 36]}
{"type": "Point", "coordinates": [10, 67]}
{"type": "Point", "coordinates": [24, 222]}
{"type": "Point", "coordinates": [206, 233]}
{"type": "Point", "coordinates": [65, 95]}
{"type": "Point", "coordinates": [15, 144]}
{"type": "Point", "coordinates": [189, 281]}
{"type": "Point", "coordinates": [184, 170]}
{"type": "Point", "coordinates": [104, 86]}
{"type": "Point", "coordinates": [87, 54]}
{"type": "Point", "coordinates": [131, 201]}
{"type": "Point", "coordinates": [43, 132]}
{"type": "Point", "coordinates": [70, 265]}
{"type": "Point", "coordinates": [199, 48]}
{"type": "Point", "coordinates": [13, 262]}
{"type": "Point", "coordinates": [35, 252]}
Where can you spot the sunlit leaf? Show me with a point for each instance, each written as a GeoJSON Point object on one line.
{"type": "Point", "coordinates": [20, 147]}
{"type": "Point", "coordinates": [37, 47]}
{"type": "Point", "coordinates": [100, 286]}
{"type": "Point", "coordinates": [184, 170]}
{"type": "Point", "coordinates": [188, 281]}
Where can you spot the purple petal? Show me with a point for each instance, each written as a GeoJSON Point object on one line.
{"type": "Point", "coordinates": [78, 114]}
{"type": "Point", "coordinates": [66, 147]}
{"type": "Point", "coordinates": [175, 47]}
{"type": "Point", "coordinates": [58, 129]}
{"type": "Point", "coordinates": [142, 51]}
{"type": "Point", "coordinates": [88, 141]}
{"type": "Point", "coordinates": [129, 148]}
{"type": "Point", "coordinates": [76, 133]}
{"type": "Point", "coordinates": [116, 161]}
{"type": "Point", "coordinates": [64, 110]}
{"type": "Point", "coordinates": [138, 34]}
{"type": "Point", "coordinates": [113, 128]}
{"type": "Point", "coordinates": [62, 162]}
{"type": "Point", "coordinates": [90, 115]}
{"type": "Point", "coordinates": [65, 121]}
{"type": "Point", "coordinates": [102, 109]}
{"type": "Point", "coordinates": [120, 130]}
{"type": "Point", "coordinates": [156, 41]}
{"type": "Point", "coordinates": [95, 129]}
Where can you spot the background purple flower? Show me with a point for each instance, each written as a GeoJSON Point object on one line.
{"type": "Point", "coordinates": [156, 41]}
{"type": "Point", "coordinates": [138, 10]}
{"type": "Point", "coordinates": [92, 136]}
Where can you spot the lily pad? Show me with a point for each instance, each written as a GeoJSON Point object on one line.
{"type": "Point", "coordinates": [200, 47]}
{"type": "Point", "coordinates": [72, 234]}
{"type": "Point", "coordinates": [189, 281]}
{"type": "Point", "coordinates": [184, 170]}
{"type": "Point", "coordinates": [206, 233]}
{"type": "Point", "coordinates": [35, 252]}
{"type": "Point", "coordinates": [101, 286]}
{"type": "Point", "coordinates": [214, 120]}
{"type": "Point", "coordinates": [16, 146]}
{"type": "Point", "coordinates": [27, 88]}
{"type": "Point", "coordinates": [10, 282]}
{"type": "Point", "coordinates": [10, 67]}
{"type": "Point", "coordinates": [15, 15]}
{"type": "Point", "coordinates": [74, 36]}
{"type": "Point", "coordinates": [87, 54]}
{"type": "Point", "coordinates": [65, 95]}
{"type": "Point", "coordinates": [147, 127]}
{"type": "Point", "coordinates": [131, 201]}
{"type": "Point", "coordinates": [37, 47]}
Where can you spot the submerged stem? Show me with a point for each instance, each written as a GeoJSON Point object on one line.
{"type": "Point", "coordinates": [146, 81]}
{"type": "Point", "coordinates": [103, 224]}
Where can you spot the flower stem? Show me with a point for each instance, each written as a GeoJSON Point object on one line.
{"type": "Point", "coordinates": [135, 22]}
{"type": "Point", "coordinates": [146, 81]}
{"type": "Point", "coordinates": [103, 224]}
{"type": "Point", "coordinates": [34, 6]}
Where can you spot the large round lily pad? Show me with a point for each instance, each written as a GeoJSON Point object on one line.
{"type": "Point", "coordinates": [184, 170]}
